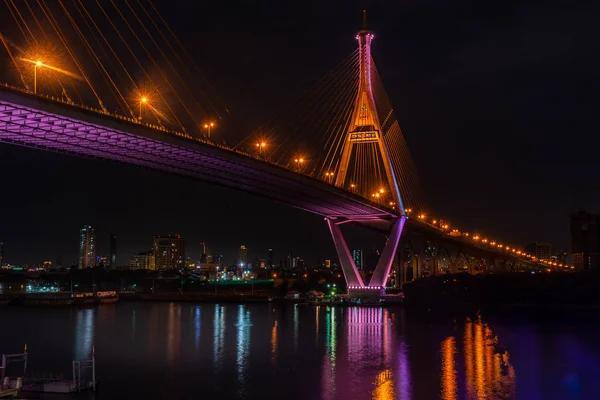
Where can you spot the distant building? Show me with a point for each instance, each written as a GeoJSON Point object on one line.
{"type": "Point", "coordinates": [59, 261]}
{"type": "Point", "coordinates": [540, 250]}
{"type": "Point", "coordinates": [357, 256]}
{"type": "Point", "coordinates": [112, 262]}
{"type": "Point", "coordinates": [47, 265]}
{"type": "Point", "coordinates": [1, 254]}
{"type": "Point", "coordinates": [561, 257]}
{"type": "Point", "coordinates": [242, 260]}
{"type": "Point", "coordinates": [169, 252]}
{"type": "Point", "coordinates": [327, 263]}
{"type": "Point", "coordinates": [144, 260]}
{"type": "Point", "coordinates": [87, 247]}
{"type": "Point", "coordinates": [203, 255]}
{"type": "Point", "coordinates": [102, 261]}
{"type": "Point", "coordinates": [217, 259]}
{"type": "Point", "coordinates": [270, 259]}
{"type": "Point", "coordinates": [585, 240]}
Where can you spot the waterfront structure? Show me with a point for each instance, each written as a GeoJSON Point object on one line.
{"type": "Point", "coordinates": [541, 250]}
{"type": "Point", "coordinates": [143, 260]}
{"type": "Point", "coordinates": [87, 247]}
{"type": "Point", "coordinates": [585, 240]}
{"type": "Point", "coordinates": [169, 252]}
{"type": "Point", "coordinates": [112, 262]}
{"type": "Point", "coordinates": [357, 256]}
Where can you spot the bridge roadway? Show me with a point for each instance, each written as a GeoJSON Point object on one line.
{"type": "Point", "coordinates": [41, 122]}
{"type": "Point", "coordinates": [37, 121]}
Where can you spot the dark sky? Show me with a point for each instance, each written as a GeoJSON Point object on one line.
{"type": "Point", "coordinates": [496, 100]}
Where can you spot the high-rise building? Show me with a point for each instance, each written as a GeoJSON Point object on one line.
{"type": "Point", "coordinates": [585, 240]}
{"type": "Point", "coordinates": [357, 256]}
{"type": "Point", "coordinates": [59, 261]}
{"type": "Point", "coordinates": [1, 254]}
{"type": "Point", "coordinates": [144, 260]}
{"type": "Point", "coordinates": [169, 252]}
{"type": "Point", "coordinates": [541, 250]}
{"type": "Point", "coordinates": [242, 260]}
{"type": "Point", "coordinates": [87, 247]}
{"type": "Point", "coordinates": [270, 259]}
{"type": "Point", "coordinates": [112, 262]}
{"type": "Point", "coordinates": [203, 255]}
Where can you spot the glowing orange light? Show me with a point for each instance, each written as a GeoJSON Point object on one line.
{"type": "Point", "coordinates": [38, 63]}
{"type": "Point", "coordinates": [144, 99]}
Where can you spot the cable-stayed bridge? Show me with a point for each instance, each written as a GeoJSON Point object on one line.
{"type": "Point", "coordinates": [338, 151]}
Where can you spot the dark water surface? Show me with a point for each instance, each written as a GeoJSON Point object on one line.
{"type": "Point", "coordinates": [265, 351]}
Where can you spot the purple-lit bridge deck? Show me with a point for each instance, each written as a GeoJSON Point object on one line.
{"type": "Point", "coordinates": [36, 122]}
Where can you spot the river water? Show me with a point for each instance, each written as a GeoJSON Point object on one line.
{"type": "Point", "coordinates": [268, 351]}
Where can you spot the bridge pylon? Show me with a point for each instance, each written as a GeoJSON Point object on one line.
{"type": "Point", "coordinates": [365, 130]}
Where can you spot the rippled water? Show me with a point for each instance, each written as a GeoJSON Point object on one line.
{"type": "Point", "coordinates": [264, 351]}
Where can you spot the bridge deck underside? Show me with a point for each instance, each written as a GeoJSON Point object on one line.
{"type": "Point", "coordinates": [32, 122]}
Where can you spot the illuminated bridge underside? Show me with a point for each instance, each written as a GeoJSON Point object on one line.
{"type": "Point", "coordinates": [29, 121]}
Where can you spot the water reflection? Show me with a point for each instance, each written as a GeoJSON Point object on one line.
{"type": "Point", "coordinates": [218, 336]}
{"type": "Point", "coordinates": [85, 325]}
{"type": "Point", "coordinates": [243, 346]}
{"type": "Point", "coordinates": [362, 353]}
{"type": "Point", "coordinates": [274, 343]}
{"type": "Point", "coordinates": [173, 333]}
{"type": "Point", "coordinates": [489, 373]}
{"type": "Point", "coordinates": [403, 374]}
{"type": "Point", "coordinates": [197, 327]}
{"type": "Point", "coordinates": [328, 384]}
{"type": "Point", "coordinates": [449, 375]}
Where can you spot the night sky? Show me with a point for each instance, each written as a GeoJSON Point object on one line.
{"type": "Point", "coordinates": [496, 100]}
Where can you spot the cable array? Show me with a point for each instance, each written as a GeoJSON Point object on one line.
{"type": "Point", "coordinates": [127, 57]}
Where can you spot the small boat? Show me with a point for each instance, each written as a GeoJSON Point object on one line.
{"type": "Point", "coordinates": [110, 297]}
{"type": "Point", "coordinates": [83, 299]}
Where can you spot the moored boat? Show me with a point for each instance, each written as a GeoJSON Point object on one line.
{"type": "Point", "coordinates": [83, 299]}
{"type": "Point", "coordinates": [107, 297]}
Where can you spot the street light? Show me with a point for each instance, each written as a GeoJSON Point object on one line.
{"type": "Point", "coordinates": [209, 125]}
{"type": "Point", "coordinates": [329, 176]}
{"type": "Point", "coordinates": [143, 100]}
{"type": "Point", "coordinates": [260, 146]}
{"type": "Point", "coordinates": [299, 161]}
{"type": "Point", "coordinates": [35, 67]}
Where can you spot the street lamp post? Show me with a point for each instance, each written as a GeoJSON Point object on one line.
{"type": "Point", "coordinates": [260, 146]}
{"type": "Point", "coordinates": [207, 126]}
{"type": "Point", "coordinates": [299, 161]}
{"type": "Point", "coordinates": [143, 100]}
{"type": "Point", "coordinates": [35, 67]}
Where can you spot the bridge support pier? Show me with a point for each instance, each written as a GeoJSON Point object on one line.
{"type": "Point", "coordinates": [354, 282]}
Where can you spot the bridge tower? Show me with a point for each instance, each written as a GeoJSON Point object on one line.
{"type": "Point", "coordinates": [365, 129]}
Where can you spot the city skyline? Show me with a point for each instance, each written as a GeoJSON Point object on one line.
{"type": "Point", "coordinates": [476, 181]}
